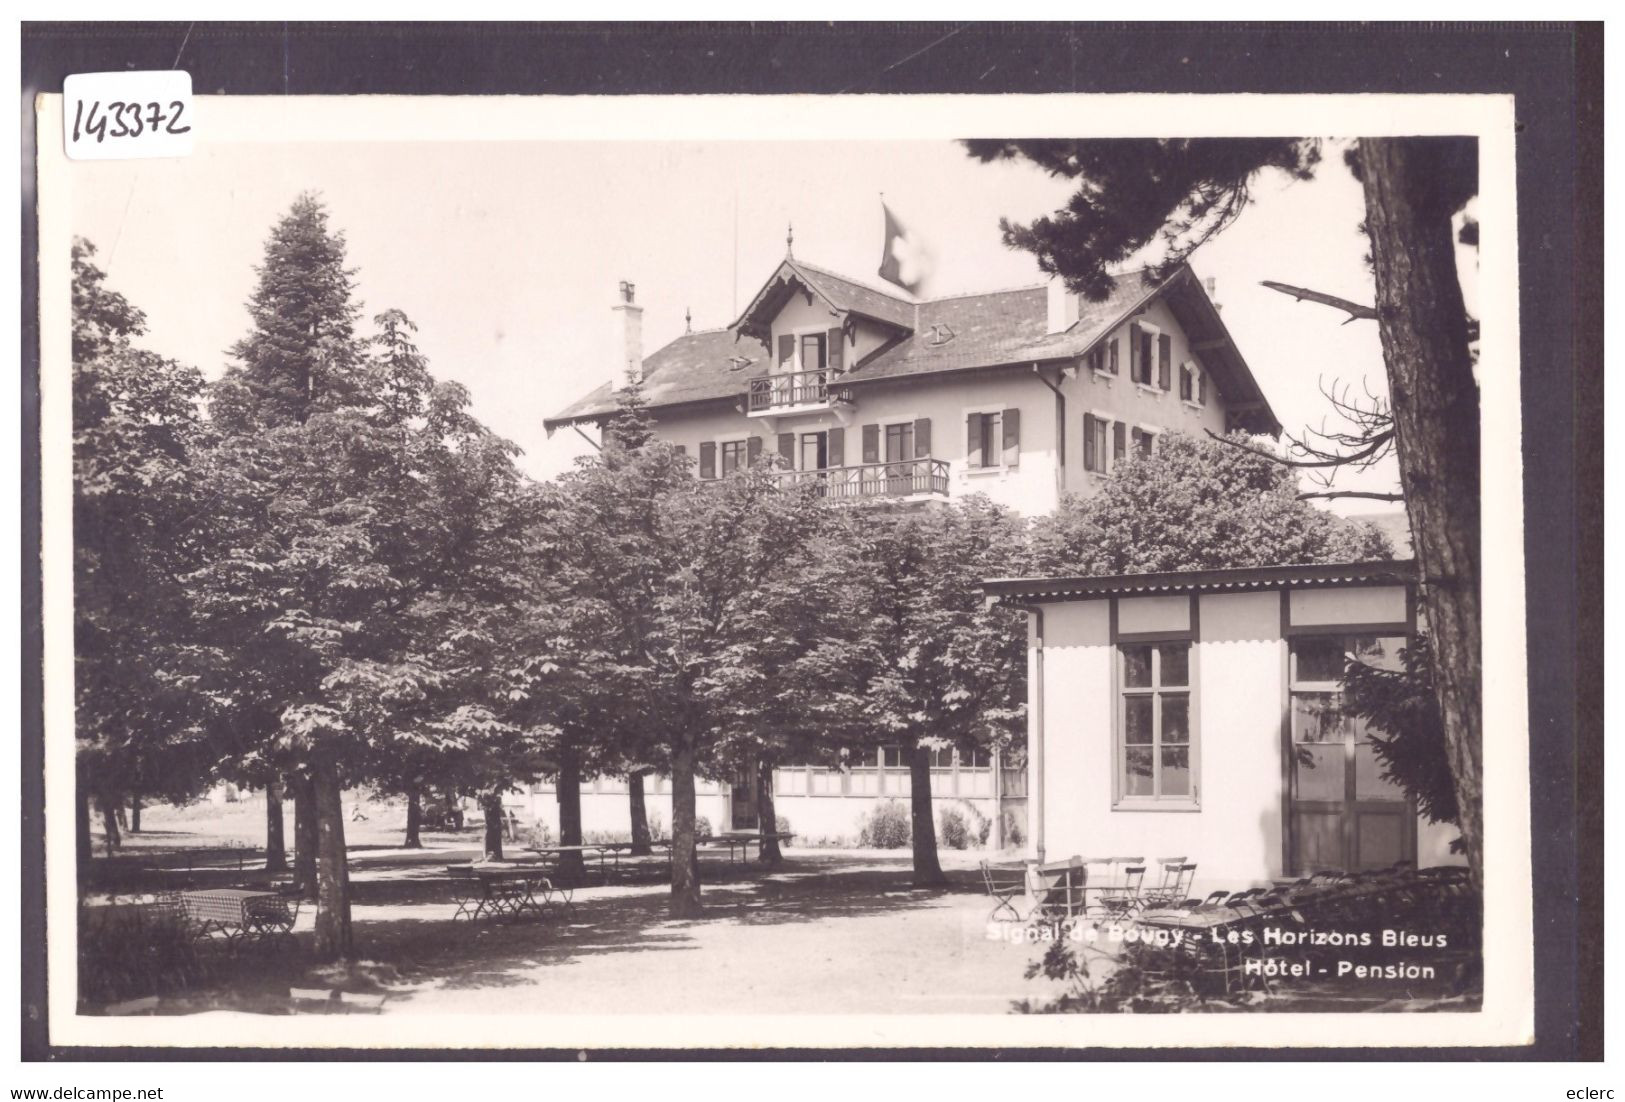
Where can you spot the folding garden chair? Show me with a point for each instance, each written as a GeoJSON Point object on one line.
{"type": "Point", "coordinates": [1004, 885]}
{"type": "Point", "coordinates": [1172, 885]}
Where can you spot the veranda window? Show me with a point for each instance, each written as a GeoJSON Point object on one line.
{"type": "Point", "coordinates": [1155, 736]}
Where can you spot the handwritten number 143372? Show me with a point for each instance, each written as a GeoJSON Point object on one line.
{"type": "Point", "coordinates": [126, 120]}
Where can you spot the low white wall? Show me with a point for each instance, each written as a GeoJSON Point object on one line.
{"type": "Point", "coordinates": [817, 820]}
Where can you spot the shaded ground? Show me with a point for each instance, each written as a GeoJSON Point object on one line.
{"type": "Point", "coordinates": [826, 931]}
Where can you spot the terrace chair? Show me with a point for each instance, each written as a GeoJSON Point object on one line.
{"type": "Point", "coordinates": [1118, 900]}
{"type": "Point", "coordinates": [1004, 885]}
{"type": "Point", "coordinates": [270, 922]}
{"type": "Point", "coordinates": [1175, 883]}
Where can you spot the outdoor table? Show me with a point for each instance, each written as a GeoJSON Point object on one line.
{"type": "Point", "coordinates": [1057, 889]}
{"type": "Point", "coordinates": [741, 843]}
{"type": "Point", "coordinates": [602, 849]}
{"type": "Point", "coordinates": [239, 914]}
{"type": "Point", "coordinates": [506, 889]}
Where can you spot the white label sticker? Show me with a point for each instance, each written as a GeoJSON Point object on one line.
{"type": "Point", "coordinates": [113, 116]}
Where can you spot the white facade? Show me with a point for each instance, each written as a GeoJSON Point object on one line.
{"type": "Point", "coordinates": [1265, 786]}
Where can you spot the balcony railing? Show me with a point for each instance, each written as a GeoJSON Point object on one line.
{"type": "Point", "coordinates": [902, 478]}
{"type": "Point", "coordinates": [792, 388]}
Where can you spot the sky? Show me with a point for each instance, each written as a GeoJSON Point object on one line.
{"type": "Point", "coordinates": [507, 255]}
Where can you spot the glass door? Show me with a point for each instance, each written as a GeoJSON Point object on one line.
{"type": "Point", "coordinates": [899, 450]}
{"type": "Point", "coordinates": [1343, 814]}
{"type": "Point", "coordinates": [815, 458]}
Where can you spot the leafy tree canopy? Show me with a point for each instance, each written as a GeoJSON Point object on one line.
{"type": "Point", "coordinates": [1196, 503]}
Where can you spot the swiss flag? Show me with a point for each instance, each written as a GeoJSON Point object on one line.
{"type": "Point", "coordinates": [905, 260]}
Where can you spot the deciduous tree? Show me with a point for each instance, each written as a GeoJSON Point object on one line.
{"type": "Point", "coordinates": [1194, 504]}
{"type": "Point", "coordinates": [140, 717]}
{"type": "Point", "coordinates": [940, 668]}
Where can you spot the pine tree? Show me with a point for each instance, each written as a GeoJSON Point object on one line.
{"type": "Point", "coordinates": [302, 353]}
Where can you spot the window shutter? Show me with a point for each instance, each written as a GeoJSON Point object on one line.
{"type": "Point", "coordinates": [1134, 353]}
{"type": "Point", "coordinates": [835, 449]}
{"type": "Point", "coordinates": [708, 459]}
{"type": "Point", "coordinates": [1201, 388]}
{"type": "Point", "coordinates": [1089, 430]}
{"type": "Point", "coordinates": [753, 450]}
{"type": "Point", "coordinates": [1012, 437]}
{"type": "Point", "coordinates": [973, 440]}
{"type": "Point", "coordinates": [1165, 362]}
{"type": "Point", "coordinates": [1111, 355]}
{"type": "Point", "coordinates": [922, 437]}
{"type": "Point", "coordinates": [871, 443]}
{"type": "Point", "coordinates": [787, 448]}
{"type": "Point", "coordinates": [787, 350]}
{"type": "Point", "coordinates": [833, 346]}
{"type": "Point", "coordinates": [1119, 440]}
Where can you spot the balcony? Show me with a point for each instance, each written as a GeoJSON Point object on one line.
{"type": "Point", "coordinates": [793, 391]}
{"type": "Point", "coordinates": [907, 479]}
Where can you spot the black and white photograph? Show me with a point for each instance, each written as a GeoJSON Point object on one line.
{"type": "Point", "coordinates": [686, 572]}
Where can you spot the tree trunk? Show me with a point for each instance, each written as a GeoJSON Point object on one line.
{"type": "Point", "coordinates": [276, 853]}
{"type": "Point", "coordinates": [685, 860]}
{"type": "Point", "coordinates": [927, 870]}
{"type": "Point", "coordinates": [304, 834]}
{"type": "Point", "coordinates": [135, 814]}
{"type": "Point", "coordinates": [118, 813]}
{"type": "Point", "coordinates": [81, 829]}
{"type": "Point", "coordinates": [571, 865]}
{"type": "Point", "coordinates": [1423, 324]}
{"type": "Point", "coordinates": [111, 838]}
{"type": "Point", "coordinates": [414, 818]}
{"type": "Point", "coordinates": [641, 839]}
{"type": "Point", "coordinates": [767, 820]}
{"type": "Point", "coordinates": [333, 937]}
{"type": "Point", "coordinates": [491, 804]}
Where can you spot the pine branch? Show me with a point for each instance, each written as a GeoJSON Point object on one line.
{"type": "Point", "coordinates": [1355, 311]}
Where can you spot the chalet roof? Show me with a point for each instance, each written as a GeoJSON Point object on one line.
{"type": "Point", "coordinates": [693, 368]}
{"type": "Point", "coordinates": [956, 333]}
{"type": "Point", "coordinates": [1017, 591]}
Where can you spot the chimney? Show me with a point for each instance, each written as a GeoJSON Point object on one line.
{"type": "Point", "coordinates": [1212, 286]}
{"type": "Point", "coordinates": [628, 338]}
{"type": "Point", "coordinates": [1063, 307]}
